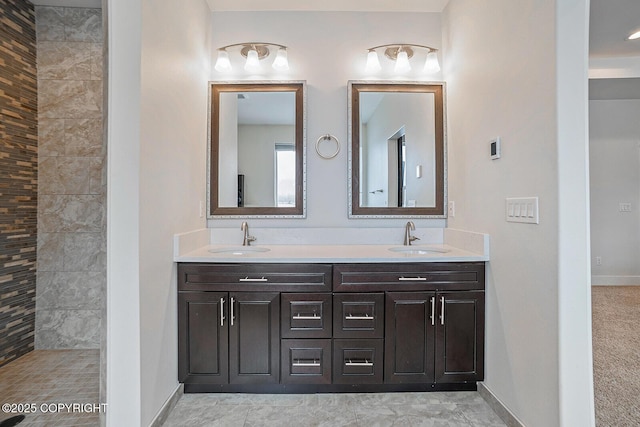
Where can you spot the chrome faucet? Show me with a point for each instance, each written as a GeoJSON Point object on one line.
{"type": "Point", "coordinates": [246, 239]}
{"type": "Point", "coordinates": [408, 238]}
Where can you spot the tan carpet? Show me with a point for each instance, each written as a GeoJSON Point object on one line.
{"type": "Point", "coordinates": [616, 355]}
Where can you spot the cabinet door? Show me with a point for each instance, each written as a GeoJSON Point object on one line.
{"type": "Point", "coordinates": [254, 337]}
{"type": "Point", "coordinates": [460, 337]}
{"type": "Point", "coordinates": [202, 338]}
{"type": "Point", "coordinates": [409, 337]}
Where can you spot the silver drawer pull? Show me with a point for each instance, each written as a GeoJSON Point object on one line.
{"type": "Point", "coordinates": [306, 362]}
{"type": "Point", "coordinates": [304, 317]}
{"type": "Point", "coordinates": [246, 279]}
{"type": "Point", "coordinates": [360, 317]}
{"type": "Point", "coordinates": [358, 363]}
{"type": "Point", "coordinates": [412, 279]}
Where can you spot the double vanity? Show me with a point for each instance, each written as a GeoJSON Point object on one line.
{"type": "Point", "coordinates": [330, 318]}
{"type": "Point", "coordinates": [278, 318]}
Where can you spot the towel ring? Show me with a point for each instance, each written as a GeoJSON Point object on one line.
{"type": "Point", "coordinates": [327, 137]}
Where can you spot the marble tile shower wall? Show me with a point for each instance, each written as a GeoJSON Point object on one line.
{"type": "Point", "coordinates": [71, 210]}
{"type": "Point", "coordinates": [18, 180]}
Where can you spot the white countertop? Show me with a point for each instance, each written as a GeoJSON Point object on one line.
{"type": "Point", "coordinates": [330, 254]}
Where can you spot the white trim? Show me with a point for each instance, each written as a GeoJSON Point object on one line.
{"type": "Point", "coordinates": [498, 406]}
{"type": "Point", "coordinates": [167, 407]}
{"type": "Point", "coordinates": [615, 280]}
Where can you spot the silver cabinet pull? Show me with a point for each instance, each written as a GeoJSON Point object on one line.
{"type": "Point", "coordinates": [304, 317]}
{"type": "Point", "coordinates": [442, 311]}
{"type": "Point", "coordinates": [231, 314]}
{"type": "Point", "coordinates": [359, 317]}
{"type": "Point", "coordinates": [247, 279]}
{"type": "Point", "coordinates": [221, 311]}
{"type": "Point", "coordinates": [366, 362]}
{"type": "Point", "coordinates": [433, 311]}
{"type": "Point", "coordinates": [306, 362]}
{"type": "Point", "coordinates": [407, 279]}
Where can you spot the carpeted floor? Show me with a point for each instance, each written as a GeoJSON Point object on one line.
{"type": "Point", "coordinates": [616, 355]}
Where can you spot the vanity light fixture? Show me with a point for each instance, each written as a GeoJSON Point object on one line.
{"type": "Point", "coordinates": [254, 52]}
{"type": "Point", "coordinates": [401, 54]}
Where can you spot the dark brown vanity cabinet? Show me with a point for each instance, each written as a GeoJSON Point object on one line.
{"type": "Point", "coordinates": [433, 318]}
{"type": "Point", "coordinates": [229, 337]}
{"type": "Point", "coordinates": [229, 320]}
{"type": "Point", "coordinates": [322, 327]}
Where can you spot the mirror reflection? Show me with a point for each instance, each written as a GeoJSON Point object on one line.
{"type": "Point", "coordinates": [397, 149]}
{"type": "Point", "coordinates": [257, 149]}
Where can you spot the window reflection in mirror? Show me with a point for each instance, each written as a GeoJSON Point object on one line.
{"type": "Point", "coordinates": [397, 149]}
{"type": "Point", "coordinates": [257, 147]}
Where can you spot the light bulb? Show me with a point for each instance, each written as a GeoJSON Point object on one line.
{"type": "Point", "coordinates": [402, 62]}
{"type": "Point", "coordinates": [431, 65]}
{"type": "Point", "coordinates": [253, 63]}
{"type": "Point", "coordinates": [281, 63]}
{"type": "Point", "coordinates": [373, 63]}
{"type": "Point", "coordinates": [634, 36]}
{"type": "Point", "coordinates": [222, 63]}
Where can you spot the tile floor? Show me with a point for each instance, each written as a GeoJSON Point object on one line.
{"type": "Point", "coordinates": [450, 409]}
{"type": "Point", "coordinates": [71, 376]}
{"type": "Point", "coordinates": [45, 378]}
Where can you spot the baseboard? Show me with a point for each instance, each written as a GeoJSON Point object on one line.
{"type": "Point", "coordinates": [168, 406]}
{"type": "Point", "coordinates": [498, 407]}
{"type": "Point", "coordinates": [615, 280]}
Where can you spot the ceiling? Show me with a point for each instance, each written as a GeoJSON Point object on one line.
{"type": "Point", "coordinates": [330, 5]}
{"type": "Point", "coordinates": [611, 23]}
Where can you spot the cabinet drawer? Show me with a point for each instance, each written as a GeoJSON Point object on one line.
{"type": "Point", "coordinates": [255, 277]}
{"type": "Point", "coordinates": [306, 361]}
{"type": "Point", "coordinates": [407, 277]}
{"type": "Point", "coordinates": [306, 315]}
{"type": "Point", "coordinates": [357, 361]}
{"type": "Point", "coordinates": [358, 315]}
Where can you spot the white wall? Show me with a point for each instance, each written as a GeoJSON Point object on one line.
{"type": "Point", "coordinates": [502, 79]}
{"type": "Point", "coordinates": [326, 49]}
{"type": "Point", "coordinates": [614, 142]}
{"type": "Point", "coordinates": [158, 72]}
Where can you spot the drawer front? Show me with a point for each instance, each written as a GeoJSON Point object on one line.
{"type": "Point", "coordinates": [357, 361]}
{"type": "Point", "coordinates": [358, 315]}
{"type": "Point", "coordinates": [407, 277]}
{"type": "Point", "coordinates": [306, 315]}
{"type": "Point", "coordinates": [306, 361]}
{"type": "Point", "coordinates": [255, 277]}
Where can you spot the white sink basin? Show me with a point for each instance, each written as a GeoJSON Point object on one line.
{"type": "Point", "coordinates": [239, 250]}
{"type": "Point", "coordinates": [418, 250]}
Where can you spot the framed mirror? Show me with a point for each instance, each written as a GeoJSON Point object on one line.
{"type": "Point", "coordinates": [257, 149]}
{"type": "Point", "coordinates": [397, 150]}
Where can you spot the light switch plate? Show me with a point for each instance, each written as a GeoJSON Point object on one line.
{"type": "Point", "coordinates": [624, 207]}
{"type": "Point", "coordinates": [522, 209]}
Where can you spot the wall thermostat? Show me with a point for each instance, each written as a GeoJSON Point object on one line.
{"type": "Point", "coordinates": [494, 145]}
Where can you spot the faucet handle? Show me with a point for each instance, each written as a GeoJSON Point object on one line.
{"type": "Point", "coordinates": [413, 238]}
{"type": "Point", "coordinates": [250, 239]}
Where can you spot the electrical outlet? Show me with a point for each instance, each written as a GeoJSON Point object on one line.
{"type": "Point", "coordinates": [598, 260]}
{"type": "Point", "coordinates": [452, 209]}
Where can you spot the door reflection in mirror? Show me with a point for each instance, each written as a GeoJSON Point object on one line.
{"type": "Point", "coordinates": [397, 134]}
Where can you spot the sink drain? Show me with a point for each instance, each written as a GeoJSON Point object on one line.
{"type": "Point", "coordinates": [13, 421]}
